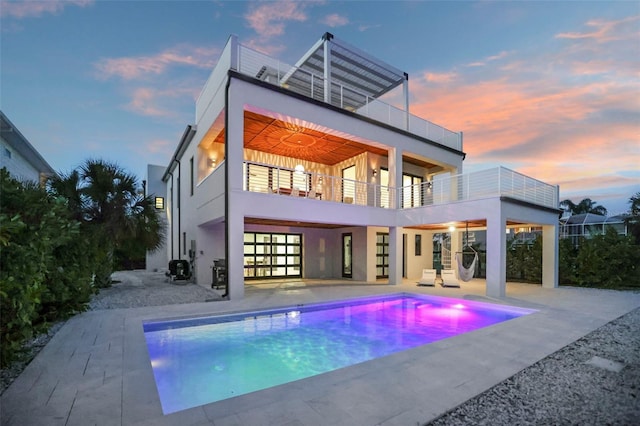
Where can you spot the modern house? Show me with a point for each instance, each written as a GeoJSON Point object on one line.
{"type": "Point", "coordinates": [318, 170]}
{"type": "Point", "coordinates": [19, 157]}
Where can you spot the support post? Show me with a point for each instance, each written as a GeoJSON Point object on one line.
{"type": "Point", "coordinates": [327, 69]}
{"type": "Point", "coordinates": [550, 258]}
{"type": "Point", "coordinates": [395, 255]}
{"type": "Point", "coordinates": [496, 254]}
{"type": "Point", "coordinates": [234, 156]}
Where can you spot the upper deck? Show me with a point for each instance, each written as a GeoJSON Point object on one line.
{"type": "Point", "coordinates": [336, 73]}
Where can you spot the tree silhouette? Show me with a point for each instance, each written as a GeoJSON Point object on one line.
{"type": "Point", "coordinates": [587, 205]}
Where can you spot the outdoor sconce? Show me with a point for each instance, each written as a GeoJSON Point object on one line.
{"type": "Point", "coordinates": [159, 203]}
{"type": "Point", "coordinates": [375, 172]}
{"type": "Point", "coordinates": [212, 163]}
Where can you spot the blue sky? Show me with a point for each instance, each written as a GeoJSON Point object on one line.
{"type": "Point", "coordinates": [551, 89]}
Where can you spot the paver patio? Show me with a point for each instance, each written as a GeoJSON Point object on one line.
{"type": "Point", "coordinates": [96, 369]}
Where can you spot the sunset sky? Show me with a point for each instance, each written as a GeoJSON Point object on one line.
{"type": "Point", "coordinates": [550, 89]}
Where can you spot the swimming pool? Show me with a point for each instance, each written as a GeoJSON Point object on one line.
{"type": "Point", "coordinates": [197, 361]}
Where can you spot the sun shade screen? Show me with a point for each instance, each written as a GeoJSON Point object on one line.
{"type": "Point", "coordinates": [355, 75]}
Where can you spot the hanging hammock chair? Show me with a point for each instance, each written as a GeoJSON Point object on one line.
{"type": "Point", "coordinates": [466, 274]}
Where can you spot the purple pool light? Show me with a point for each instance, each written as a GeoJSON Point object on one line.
{"type": "Point", "coordinates": [202, 360]}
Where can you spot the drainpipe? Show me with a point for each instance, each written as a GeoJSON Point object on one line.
{"type": "Point", "coordinates": [179, 211]}
{"type": "Point", "coordinates": [171, 231]}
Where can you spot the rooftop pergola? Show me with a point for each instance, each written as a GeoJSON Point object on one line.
{"type": "Point", "coordinates": [344, 67]}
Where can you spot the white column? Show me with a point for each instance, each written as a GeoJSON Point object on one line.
{"type": "Point", "coordinates": [456, 246]}
{"type": "Point", "coordinates": [550, 258]}
{"type": "Point", "coordinates": [395, 176]}
{"type": "Point", "coordinates": [496, 254]}
{"type": "Point", "coordinates": [395, 255]}
{"type": "Point", "coordinates": [234, 156]}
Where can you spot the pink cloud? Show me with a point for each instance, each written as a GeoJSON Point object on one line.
{"type": "Point", "coordinates": [603, 31]}
{"type": "Point", "coordinates": [488, 59]}
{"type": "Point", "coordinates": [334, 20]}
{"type": "Point", "coordinates": [129, 68]}
{"type": "Point", "coordinates": [155, 102]}
{"type": "Point", "coordinates": [34, 9]}
{"type": "Point", "coordinates": [440, 78]}
{"type": "Point", "coordinates": [268, 19]}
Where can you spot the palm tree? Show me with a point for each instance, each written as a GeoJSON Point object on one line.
{"type": "Point", "coordinates": [633, 219]}
{"type": "Point", "coordinates": [585, 206]}
{"type": "Point", "coordinates": [105, 198]}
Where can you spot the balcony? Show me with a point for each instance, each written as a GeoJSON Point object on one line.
{"type": "Point", "coordinates": [283, 181]}
{"type": "Point", "coordinates": [497, 182]}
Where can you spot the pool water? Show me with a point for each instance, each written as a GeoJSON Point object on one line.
{"type": "Point", "coordinates": [202, 360]}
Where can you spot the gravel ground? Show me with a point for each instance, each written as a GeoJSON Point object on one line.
{"type": "Point", "coordinates": [593, 381]}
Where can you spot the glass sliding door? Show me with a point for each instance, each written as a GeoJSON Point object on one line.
{"type": "Point", "coordinates": [382, 255]}
{"type": "Point", "coordinates": [411, 191]}
{"type": "Point", "coordinates": [349, 185]}
{"type": "Point", "coordinates": [347, 255]}
{"type": "Point", "coordinates": [272, 255]}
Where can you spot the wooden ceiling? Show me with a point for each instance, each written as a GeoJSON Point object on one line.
{"type": "Point", "coordinates": [274, 136]}
{"type": "Point", "coordinates": [278, 137]}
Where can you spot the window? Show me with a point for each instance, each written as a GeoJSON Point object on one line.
{"type": "Point", "coordinates": [418, 245]}
{"type": "Point", "coordinates": [159, 203]}
{"type": "Point", "coordinates": [191, 175]}
{"type": "Point", "coordinates": [184, 243]}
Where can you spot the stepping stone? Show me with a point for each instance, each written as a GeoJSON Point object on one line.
{"type": "Point", "coordinates": [606, 364]}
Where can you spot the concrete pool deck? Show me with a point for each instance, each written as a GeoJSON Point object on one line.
{"type": "Point", "coordinates": [96, 369]}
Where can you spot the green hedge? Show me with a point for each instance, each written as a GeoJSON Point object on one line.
{"type": "Point", "coordinates": [609, 260]}
{"type": "Point", "coordinates": [44, 262]}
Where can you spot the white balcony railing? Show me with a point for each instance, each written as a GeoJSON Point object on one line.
{"type": "Point", "coordinates": [271, 179]}
{"type": "Point", "coordinates": [270, 70]}
{"type": "Point", "coordinates": [496, 182]}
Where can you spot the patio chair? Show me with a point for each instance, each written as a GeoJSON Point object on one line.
{"type": "Point", "coordinates": [428, 278]}
{"type": "Point", "coordinates": [449, 278]}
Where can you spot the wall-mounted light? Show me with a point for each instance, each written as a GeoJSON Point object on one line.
{"type": "Point", "coordinates": [159, 203]}
{"type": "Point", "coordinates": [212, 163]}
{"type": "Point", "coordinates": [452, 228]}
{"type": "Point", "coordinates": [429, 184]}
{"type": "Point", "coordinates": [375, 172]}
{"type": "Point", "coordinates": [299, 168]}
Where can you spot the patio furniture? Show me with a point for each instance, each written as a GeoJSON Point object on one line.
{"type": "Point", "coordinates": [449, 278]}
{"type": "Point", "coordinates": [428, 278]}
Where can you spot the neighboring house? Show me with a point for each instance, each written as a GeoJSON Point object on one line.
{"type": "Point", "coordinates": [303, 172]}
{"type": "Point", "coordinates": [19, 157]}
{"type": "Point", "coordinates": [586, 225]}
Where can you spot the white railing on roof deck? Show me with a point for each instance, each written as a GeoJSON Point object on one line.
{"type": "Point", "coordinates": [265, 68]}
{"type": "Point", "coordinates": [496, 182]}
